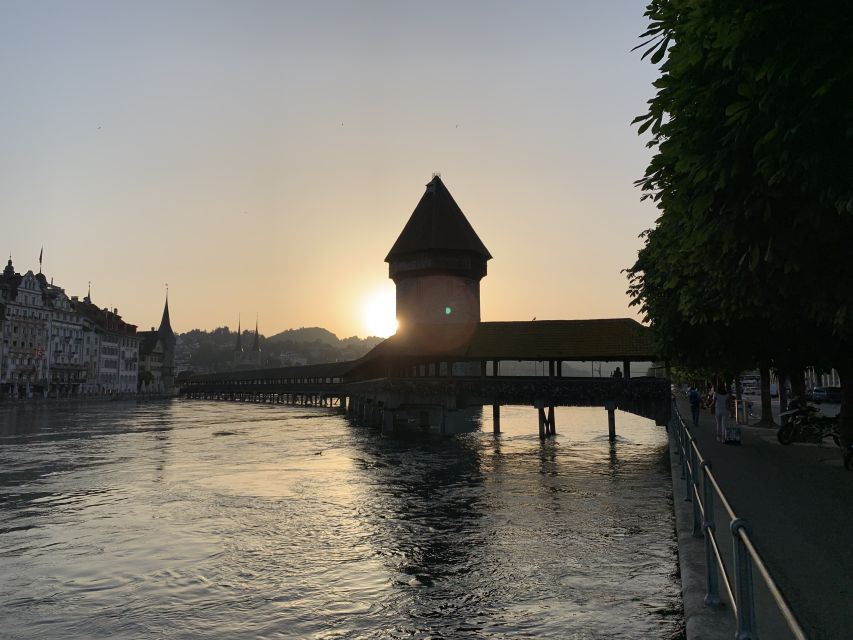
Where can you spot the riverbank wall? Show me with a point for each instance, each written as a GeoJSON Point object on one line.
{"type": "Point", "coordinates": [116, 397]}
{"type": "Point", "coordinates": [700, 621]}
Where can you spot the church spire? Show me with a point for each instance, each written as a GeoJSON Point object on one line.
{"type": "Point", "coordinates": [256, 345]}
{"type": "Point", "coordinates": [239, 346]}
{"type": "Point", "coordinates": [165, 329]}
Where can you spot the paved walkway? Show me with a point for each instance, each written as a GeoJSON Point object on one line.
{"type": "Point", "coordinates": [798, 500]}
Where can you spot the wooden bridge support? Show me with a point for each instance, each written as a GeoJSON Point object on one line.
{"type": "Point", "coordinates": [387, 421]}
{"type": "Point", "coordinates": [610, 405]}
{"type": "Point", "coordinates": [547, 422]}
{"type": "Point", "coordinates": [496, 418]}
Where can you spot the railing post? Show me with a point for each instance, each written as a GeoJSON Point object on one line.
{"type": "Point", "coordinates": [743, 584]}
{"type": "Point", "coordinates": [712, 598]}
{"type": "Point", "coordinates": [694, 489]}
{"type": "Point", "coordinates": [687, 473]}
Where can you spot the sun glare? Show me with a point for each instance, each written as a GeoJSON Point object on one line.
{"type": "Point", "coordinates": [378, 313]}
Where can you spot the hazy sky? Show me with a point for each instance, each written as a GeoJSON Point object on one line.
{"type": "Point", "coordinates": [262, 157]}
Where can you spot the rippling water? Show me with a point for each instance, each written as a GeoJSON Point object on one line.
{"type": "Point", "coordinates": [196, 519]}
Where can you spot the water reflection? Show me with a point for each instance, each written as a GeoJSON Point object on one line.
{"type": "Point", "coordinates": [199, 520]}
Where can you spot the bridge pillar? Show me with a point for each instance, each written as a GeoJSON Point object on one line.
{"type": "Point", "coordinates": [540, 409]}
{"type": "Point", "coordinates": [610, 405]}
{"type": "Point", "coordinates": [552, 425]}
{"type": "Point", "coordinates": [496, 418]}
{"type": "Point", "coordinates": [626, 369]}
{"type": "Point", "coordinates": [387, 421]}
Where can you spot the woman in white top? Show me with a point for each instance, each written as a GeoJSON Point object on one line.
{"type": "Point", "coordinates": [721, 411]}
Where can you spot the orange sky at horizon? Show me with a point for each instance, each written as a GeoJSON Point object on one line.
{"type": "Point", "coordinates": [262, 158]}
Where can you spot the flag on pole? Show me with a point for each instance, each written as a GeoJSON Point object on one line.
{"type": "Point", "coordinates": [41, 253]}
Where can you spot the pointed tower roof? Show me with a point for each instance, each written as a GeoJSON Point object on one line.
{"type": "Point", "coordinates": [165, 329]}
{"type": "Point", "coordinates": [256, 345]}
{"type": "Point", "coordinates": [239, 346]}
{"type": "Point", "coordinates": [437, 223]}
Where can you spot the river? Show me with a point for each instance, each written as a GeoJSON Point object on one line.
{"type": "Point", "coordinates": [195, 519]}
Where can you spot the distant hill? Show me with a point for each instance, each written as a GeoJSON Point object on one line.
{"type": "Point", "coordinates": [323, 336]}
{"type": "Point", "coordinates": [306, 334]}
{"type": "Point", "coordinates": [204, 351]}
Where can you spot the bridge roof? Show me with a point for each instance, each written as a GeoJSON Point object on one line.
{"type": "Point", "coordinates": [613, 339]}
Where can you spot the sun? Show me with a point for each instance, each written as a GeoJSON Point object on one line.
{"type": "Point", "coordinates": [378, 313]}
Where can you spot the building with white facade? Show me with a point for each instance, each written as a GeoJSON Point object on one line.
{"type": "Point", "coordinates": [24, 360]}
{"type": "Point", "coordinates": [56, 346]}
{"type": "Point", "coordinates": [113, 357]}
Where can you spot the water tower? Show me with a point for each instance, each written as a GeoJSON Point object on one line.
{"type": "Point", "coordinates": [436, 264]}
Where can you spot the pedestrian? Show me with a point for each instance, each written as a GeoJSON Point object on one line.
{"type": "Point", "coordinates": [693, 397]}
{"type": "Point", "coordinates": [617, 373]}
{"type": "Point", "coordinates": [721, 410]}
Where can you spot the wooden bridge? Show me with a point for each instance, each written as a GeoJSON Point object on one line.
{"type": "Point", "coordinates": [406, 382]}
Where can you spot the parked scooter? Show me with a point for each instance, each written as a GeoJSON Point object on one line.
{"type": "Point", "coordinates": [806, 424]}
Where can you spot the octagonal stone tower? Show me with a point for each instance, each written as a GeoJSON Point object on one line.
{"type": "Point", "coordinates": [436, 264]}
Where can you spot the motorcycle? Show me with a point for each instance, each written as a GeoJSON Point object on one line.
{"type": "Point", "coordinates": [807, 424]}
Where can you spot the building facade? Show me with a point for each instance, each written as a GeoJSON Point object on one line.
{"type": "Point", "coordinates": [111, 350]}
{"type": "Point", "coordinates": [66, 345]}
{"type": "Point", "coordinates": [54, 345]}
{"type": "Point", "coordinates": [24, 360]}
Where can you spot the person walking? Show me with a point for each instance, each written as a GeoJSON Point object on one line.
{"type": "Point", "coordinates": [694, 398]}
{"type": "Point", "coordinates": [721, 410]}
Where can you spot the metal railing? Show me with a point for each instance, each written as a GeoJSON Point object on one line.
{"type": "Point", "coordinates": [740, 592]}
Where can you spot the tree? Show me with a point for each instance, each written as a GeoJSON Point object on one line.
{"type": "Point", "coordinates": [753, 174]}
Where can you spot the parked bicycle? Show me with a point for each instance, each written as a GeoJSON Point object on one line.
{"type": "Point", "coordinates": [806, 424]}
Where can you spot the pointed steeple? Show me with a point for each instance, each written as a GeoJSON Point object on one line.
{"type": "Point", "coordinates": [256, 345]}
{"type": "Point", "coordinates": [165, 330]}
{"type": "Point", "coordinates": [438, 224]}
{"type": "Point", "coordinates": [239, 346]}
{"type": "Point", "coordinates": [9, 271]}
{"type": "Point", "coordinates": [436, 264]}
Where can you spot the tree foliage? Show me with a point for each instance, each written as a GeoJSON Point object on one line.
{"type": "Point", "coordinates": [753, 174]}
